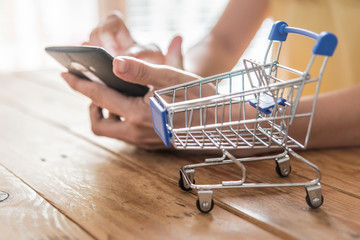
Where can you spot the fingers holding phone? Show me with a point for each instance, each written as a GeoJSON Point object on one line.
{"type": "Point", "coordinates": [107, 98]}
{"type": "Point", "coordinates": [137, 128]}
{"type": "Point", "coordinates": [139, 135]}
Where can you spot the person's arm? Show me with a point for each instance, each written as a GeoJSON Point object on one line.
{"type": "Point", "coordinates": [336, 121]}
{"type": "Point", "coordinates": [217, 52]}
{"type": "Point", "coordinates": [220, 50]}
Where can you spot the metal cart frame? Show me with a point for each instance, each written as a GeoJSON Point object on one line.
{"type": "Point", "coordinates": [258, 116]}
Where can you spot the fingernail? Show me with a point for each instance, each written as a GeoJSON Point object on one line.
{"type": "Point", "coordinates": [64, 74]}
{"type": "Point", "coordinates": [120, 65]}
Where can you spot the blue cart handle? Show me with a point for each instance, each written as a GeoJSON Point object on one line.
{"type": "Point", "coordinates": [325, 44]}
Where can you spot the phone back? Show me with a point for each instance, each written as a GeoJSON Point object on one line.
{"type": "Point", "coordinates": [94, 63]}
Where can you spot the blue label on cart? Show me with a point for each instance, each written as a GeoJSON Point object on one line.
{"type": "Point", "coordinates": [266, 102]}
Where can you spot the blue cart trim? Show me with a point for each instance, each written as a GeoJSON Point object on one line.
{"type": "Point", "coordinates": [325, 44]}
{"type": "Point", "coordinates": [159, 118]}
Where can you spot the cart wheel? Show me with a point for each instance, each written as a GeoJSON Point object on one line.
{"type": "Point", "coordinates": [285, 173]}
{"type": "Point", "coordinates": [314, 206]}
{"type": "Point", "coordinates": [205, 207]}
{"type": "Point", "coordinates": [182, 185]}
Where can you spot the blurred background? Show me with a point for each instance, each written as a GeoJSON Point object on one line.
{"type": "Point", "coordinates": [27, 26]}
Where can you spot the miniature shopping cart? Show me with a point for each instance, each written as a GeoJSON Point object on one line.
{"type": "Point", "coordinates": [215, 113]}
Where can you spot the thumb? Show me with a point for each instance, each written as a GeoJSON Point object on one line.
{"type": "Point", "coordinates": [134, 70]}
{"type": "Point", "coordinates": [159, 76]}
{"type": "Point", "coordinates": [174, 55]}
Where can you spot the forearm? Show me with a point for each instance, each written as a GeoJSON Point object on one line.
{"type": "Point", "coordinates": [336, 119]}
{"type": "Point", "coordinates": [220, 50]}
{"type": "Point", "coordinates": [335, 124]}
{"type": "Point", "coordinates": [209, 57]}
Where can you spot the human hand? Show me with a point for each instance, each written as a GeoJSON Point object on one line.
{"type": "Point", "coordinates": [137, 128]}
{"type": "Point", "coordinates": [114, 36]}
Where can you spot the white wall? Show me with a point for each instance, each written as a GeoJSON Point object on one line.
{"type": "Point", "coordinates": [27, 26]}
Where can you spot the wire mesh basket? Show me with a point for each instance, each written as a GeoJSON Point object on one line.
{"type": "Point", "coordinates": [215, 113]}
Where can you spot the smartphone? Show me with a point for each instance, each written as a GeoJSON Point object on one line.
{"type": "Point", "coordinates": [95, 64]}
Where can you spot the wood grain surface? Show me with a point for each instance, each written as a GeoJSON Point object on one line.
{"type": "Point", "coordinates": [112, 189]}
{"type": "Point", "coordinates": [27, 215]}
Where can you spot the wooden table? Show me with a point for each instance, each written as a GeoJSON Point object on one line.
{"type": "Point", "coordinates": [65, 183]}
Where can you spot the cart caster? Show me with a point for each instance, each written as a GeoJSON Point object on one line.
{"type": "Point", "coordinates": [283, 168]}
{"type": "Point", "coordinates": [283, 173]}
{"type": "Point", "coordinates": [318, 202]}
{"type": "Point", "coordinates": [314, 198]}
{"type": "Point", "coordinates": [183, 184]}
{"type": "Point", "coordinates": [204, 208]}
{"type": "Point", "coordinates": [205, 203]}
